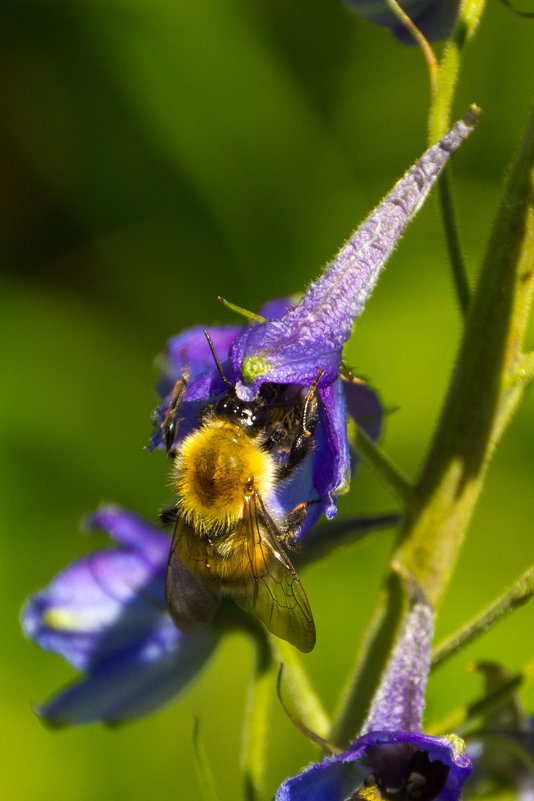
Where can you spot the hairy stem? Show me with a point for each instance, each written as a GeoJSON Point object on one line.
{"type": "Point", "coordinates": [445, 82]}
{"type": "Point", "coordinates": [516, 595]}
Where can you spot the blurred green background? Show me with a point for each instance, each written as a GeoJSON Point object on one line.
{"type": "Point", "coordinates": [155, 154]}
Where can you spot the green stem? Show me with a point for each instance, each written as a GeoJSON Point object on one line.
{"type": "Point", "coordinates": [459, 272]}
{"type": "Point", "coordinates": [469, 15]}
{"type": "Point", "coordinates": [298, 687]}
{"type": "Point", "coordinates": [383, 466]}
{"type": "Point", "coordinates": [439, 122]}
{"type": "Point", "coordinates": [460, 718]}
{"type": "Point", "coordinates": [255, 730]}
{"type": "Point", "coordinates": [370, 662]}
{"type": "Point", "coordinates": [520, 592]}
{"type": "Point", "coordinates": [328, 537]}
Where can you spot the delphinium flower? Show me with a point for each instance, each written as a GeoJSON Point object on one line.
{"type": "Point", "coordinates": [434, 18]}
{"type": "Point", "coordinates": [325, 470]}
{"type": "Point", "coordinates": [392, 758]}
{"type": "Point", "coordinates": [105, 614]}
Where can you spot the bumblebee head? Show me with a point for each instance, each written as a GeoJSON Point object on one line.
{"type": "Point", "coordinates": [249, 416]}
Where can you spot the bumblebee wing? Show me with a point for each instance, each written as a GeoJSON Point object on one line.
{"type": "Point", "coordinates": [191, 601]}
{"type": "Point", "coordinates": [269, 586]}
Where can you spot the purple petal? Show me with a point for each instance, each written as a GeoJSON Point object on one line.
{"type": "Point", "coordinates": [364, 407]}
{"type": "Point", "coordinates": [399, 701]}
{"type": "Point", "coordinates": [274, 309]}
{"type": "Point", "coordinates": [132, 531]}
{"type": "Point", "coordinates": [333, 399]}
{"type": "Point", "coordinates": [135, 681]}
{"type": "Point", "coordinates": [96, 606]}
{"type": "Point", "coordinates": [335, 778]}
{"type": "Point", "coordinates": [191, 348]}
{"type": "Point", "coordinates": [311, 336]}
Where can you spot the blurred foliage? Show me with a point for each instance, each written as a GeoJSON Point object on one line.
{"type": "Point", "coordinates": [157, 154]}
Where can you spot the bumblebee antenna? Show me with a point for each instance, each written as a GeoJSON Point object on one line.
{"type": "Point", "coordinates": [216, 360]}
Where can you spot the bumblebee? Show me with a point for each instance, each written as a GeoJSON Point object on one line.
{"type": "Point", "coordinates": [226, 542]}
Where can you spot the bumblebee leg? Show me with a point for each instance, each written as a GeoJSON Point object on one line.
{"type": "Point", "coordinates": [308, 421]}
{"type": "Point", "coordinates": [169, 425]}
{"type": "Point", "coordinates": [294, 520]}
{"type": "Point", "coordinates": [168, 515]}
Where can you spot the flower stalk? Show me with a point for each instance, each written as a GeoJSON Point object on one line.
{"type": "Point", "coordinates": [452, 237]}
{"type": "Point", "coordinates": [519, 593]}
{"type": "Point", "coordinates": [444, 83]}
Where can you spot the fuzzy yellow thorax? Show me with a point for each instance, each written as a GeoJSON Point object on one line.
{"type": "Point", "coordinates": [217, 466]}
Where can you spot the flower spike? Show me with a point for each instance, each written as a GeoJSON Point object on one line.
{"type": "Point", "coordinates": [399, 701]}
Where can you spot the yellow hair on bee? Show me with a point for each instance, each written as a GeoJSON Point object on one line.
{"type": "Point", "coordinates": [217, 466]}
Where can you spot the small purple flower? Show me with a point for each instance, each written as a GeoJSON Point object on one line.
{"type": "Point", "coordinates": [392, 758]}
{"type": "Point", "coordinates": [299, 344]}
{"type": "Point", "coordinates": [434, 18]}
{"type": "Point", "coordinates": [105, 614]}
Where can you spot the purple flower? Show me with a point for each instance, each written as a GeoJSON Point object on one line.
{"type": "Point", "coordinates": [326, 468]}
{"type": "Point", "coordinates": [434, 18]}
{"type": "Point", "coordinates": [392, 758]}
{"type": "Point", "coordinates": [298, 344]}
{"type": "Point", "coordinates": [106, 615]}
